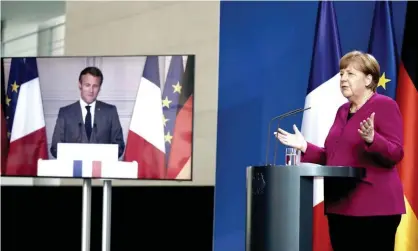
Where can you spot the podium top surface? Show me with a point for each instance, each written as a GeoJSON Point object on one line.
{"type": "Point", "coordinates": [314, 170]}
{"type": "Point", "coordinates": [87, 151]}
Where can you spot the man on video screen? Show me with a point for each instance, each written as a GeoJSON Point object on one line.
{"type": "Point", "coordinates": [88, 120]}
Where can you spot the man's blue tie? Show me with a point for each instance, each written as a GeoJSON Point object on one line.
{"type": "Point", "coordinates": [87, 123]}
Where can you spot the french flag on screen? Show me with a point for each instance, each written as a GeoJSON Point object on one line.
{"type": "Point", "coordinates": [325, 98]}
{"type": "Point", "coordinates": [146, 142]}
{"type": "Point", "coordinates": [96, 169]}
{"type": "Point", "coordinates": [24, 118]}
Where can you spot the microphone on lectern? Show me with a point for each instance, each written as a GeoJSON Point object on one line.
{"type": "Point", "coordinates": [280, 117]}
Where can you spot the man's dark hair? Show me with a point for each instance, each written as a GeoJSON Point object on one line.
{"type": "Point", "coordinates": [94, 71]}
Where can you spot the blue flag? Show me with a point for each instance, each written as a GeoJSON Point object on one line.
{"type": "Point", "coordinates": [171, 94]}
{"type": "Point", "coordinates": [327, 48]}
{"type": "Point", "coordinates": [382, 46]}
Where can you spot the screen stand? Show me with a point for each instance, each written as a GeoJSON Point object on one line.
{"type": "Point", "coordinates": [85, 242]}
{"type": "Point", "coordinates": [107, 206]}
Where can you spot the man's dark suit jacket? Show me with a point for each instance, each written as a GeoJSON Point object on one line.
{"type": "Point", "coordinates": [69, 127]}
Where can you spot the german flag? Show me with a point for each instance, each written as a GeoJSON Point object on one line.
{"type": "Point", "coordinates": [407, 98]}
{"type": "Point", "coordinates": [179, 166]}
{"type": "Point", "coordinates": [4, 138]}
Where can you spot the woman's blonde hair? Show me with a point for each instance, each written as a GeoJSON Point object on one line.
{"type": "Point", "coordinates": [363, 62]}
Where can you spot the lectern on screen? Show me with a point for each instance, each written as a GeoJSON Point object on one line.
{"type": "Point", "coordinates": [137, 107]}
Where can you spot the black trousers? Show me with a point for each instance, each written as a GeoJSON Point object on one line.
{"type": "Point", "coordinates": [369, 233]}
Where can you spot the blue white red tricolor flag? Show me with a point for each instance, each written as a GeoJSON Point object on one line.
{"type": "Point", "coordinates": [324, 97]}
{"type": "Point", "coordinates": [24, 118]}
{"type": "Point", "coordinates": [145, 141]}
{"type": "Point", "coordinates": [160, 133]}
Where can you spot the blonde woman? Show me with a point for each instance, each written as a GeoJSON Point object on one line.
{"type": "Point", "coordinates": [367, 132]}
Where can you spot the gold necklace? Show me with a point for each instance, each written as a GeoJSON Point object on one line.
{"type": "Point", "coordinates": [357, 108]}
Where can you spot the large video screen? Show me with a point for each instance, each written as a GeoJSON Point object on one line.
{"type": "Point", "coordinates": [115, 117]}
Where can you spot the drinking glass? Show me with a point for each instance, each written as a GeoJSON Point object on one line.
{"type": "Point", "coordinates": [292, 157]}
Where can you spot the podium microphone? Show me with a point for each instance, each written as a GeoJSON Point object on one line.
{"type": "Point", "coordinates": [280, 117]}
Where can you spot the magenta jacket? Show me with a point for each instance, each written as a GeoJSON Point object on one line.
{"type": "Point", "coordinates": [380, 192]}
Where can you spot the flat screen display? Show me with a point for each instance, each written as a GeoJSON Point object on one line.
{"type": "Point", "coordinates": [115, 117]}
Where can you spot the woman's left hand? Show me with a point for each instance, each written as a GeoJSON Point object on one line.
{"type": "Point", "coordinates": [367, 129]}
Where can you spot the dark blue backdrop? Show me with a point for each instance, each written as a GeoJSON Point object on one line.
{"type": "Point", "coordinates": [264, 64]}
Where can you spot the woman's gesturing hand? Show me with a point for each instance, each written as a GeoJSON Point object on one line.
{"type": "Point", "coordinates": [366, 129]}
{"type": "Point", "coordinates": [295, 140]}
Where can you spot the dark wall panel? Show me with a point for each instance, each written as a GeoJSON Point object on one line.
{"type": "Point", "coordinates": [143, 218]}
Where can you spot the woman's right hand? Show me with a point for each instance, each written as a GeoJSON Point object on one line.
{"type": "Point", "coordinates": [295, 140]}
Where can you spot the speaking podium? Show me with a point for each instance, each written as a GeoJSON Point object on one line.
{"type": "Point", "coordinates": [87, 162]}
{"type": "Point", "coordinates": [280, 204]}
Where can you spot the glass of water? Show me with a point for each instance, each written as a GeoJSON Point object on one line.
{"type": "Point", "coordinates": [292, 157]}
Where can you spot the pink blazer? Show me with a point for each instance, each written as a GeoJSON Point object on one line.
{"type": "Point", "coordinates": [380, 192]}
